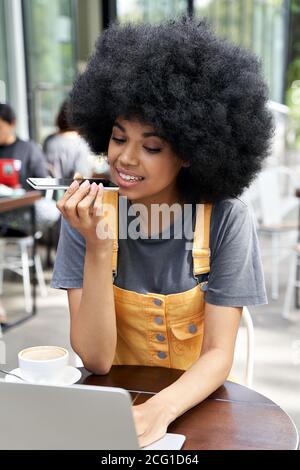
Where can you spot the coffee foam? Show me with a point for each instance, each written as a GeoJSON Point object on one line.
{"type": "Point", "coordinates": [42, 354]}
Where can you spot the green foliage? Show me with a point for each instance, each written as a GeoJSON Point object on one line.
{"type": "Point", "coordinates": [295, 6]}
{"type": "Point", "coordinates": [294, 66]}
{"type": "Point", "coordinates": [51, 57]}
{"type": "Point", "coordinates": [152, 11]}
{"type": "Point", "coordinates": [293, 101]}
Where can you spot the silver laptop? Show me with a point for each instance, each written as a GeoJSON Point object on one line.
{"type": "Point", "coordinates": [76, 417]}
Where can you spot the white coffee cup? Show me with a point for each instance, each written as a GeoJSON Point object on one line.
{"type": "Point", "coordinates": [43, 364]}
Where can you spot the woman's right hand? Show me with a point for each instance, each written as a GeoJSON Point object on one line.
{"type": "Point", "coordinates": [82, 207]}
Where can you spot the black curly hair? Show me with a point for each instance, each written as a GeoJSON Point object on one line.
{"type": "Point", "coordinates": [203, 95]}
{"type": "Point", "coordinates": [63, 119]}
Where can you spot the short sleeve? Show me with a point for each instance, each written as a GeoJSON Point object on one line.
{"type": "Point", "coordinates": [236, 276]}
{"type": "Point", "coordinates": [69, 261]}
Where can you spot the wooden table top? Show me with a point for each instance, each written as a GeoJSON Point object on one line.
{"type": "Point", "coordinates": [16, 202]}
{"type": "Point", "coordinates": [234, 417]}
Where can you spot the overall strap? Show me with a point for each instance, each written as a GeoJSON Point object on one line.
{"type": "Point", "coordinates": [110, 201]}
{"type": "Point", "coordinates": [201, 250]}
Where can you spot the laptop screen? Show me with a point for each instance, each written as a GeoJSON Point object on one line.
{"type": "Point", "coordinates": [70, 417]}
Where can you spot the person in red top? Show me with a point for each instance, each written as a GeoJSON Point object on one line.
{"type": "Point", "coordinates": [33, 161]}
{"type": "Point", "coordinates": [33, 164]}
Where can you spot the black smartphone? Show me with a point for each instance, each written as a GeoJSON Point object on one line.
{"type": "Point", "coordinates": [64, 183]}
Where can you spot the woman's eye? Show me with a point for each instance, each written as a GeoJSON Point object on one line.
{"type": "Point", "coordinates": [148, 149]}
{"type": "Point", "coordinates": [118, 141]}
{"type": "Point", "coordinates": [152, 150]}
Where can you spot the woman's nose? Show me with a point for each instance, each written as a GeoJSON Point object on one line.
{"type": "Point", "coordinates": [128, 158]}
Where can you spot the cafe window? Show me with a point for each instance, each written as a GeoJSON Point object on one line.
{"type": "Point", "coordinates": [3, 56]}
{"type": "Point", "coordinates": [260, 25]}
{"type": "Point", "coordinates": [50, 52]}
{"type": "Point", "coordinates": [152, 11]}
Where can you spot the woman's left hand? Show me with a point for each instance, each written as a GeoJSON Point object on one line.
{"type": "Point", "coordinates": [152, 419]}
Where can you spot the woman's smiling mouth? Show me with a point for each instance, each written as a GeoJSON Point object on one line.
{"type": "Point", "coordinates": [127, 179]}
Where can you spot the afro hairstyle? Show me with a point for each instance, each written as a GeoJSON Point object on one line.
{"type": "Point", "coordinates": [205, 96]}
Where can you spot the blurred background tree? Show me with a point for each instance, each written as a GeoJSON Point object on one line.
{"type": "Point", "coordinates": [293, 76]}
{"type": "Point", "coordinates": [294, 59]}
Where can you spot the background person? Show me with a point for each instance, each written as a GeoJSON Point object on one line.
{"type": "Point", "coordinates": [66, 152]}
{"type": "Point", "coordinates": [28, 152]}
{"type": "Point", "coordinates": [33, 164]}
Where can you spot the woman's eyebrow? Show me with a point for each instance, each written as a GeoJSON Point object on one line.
{"type": "Point", "coordinates": [116, 124]}
{"type": "Point", "coordinates": [151, 134]}
{"type": "Point", "coordinates": [145, 134]}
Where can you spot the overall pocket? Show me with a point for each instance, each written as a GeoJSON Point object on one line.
{"type": "Point", "coordinates": [186, 340]}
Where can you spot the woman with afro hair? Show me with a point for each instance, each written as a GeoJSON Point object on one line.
{"type": "Point", "coordinates": [183, 118]}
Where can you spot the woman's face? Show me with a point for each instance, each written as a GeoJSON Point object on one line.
{"type": "Point", "coordinates": [135, 150]}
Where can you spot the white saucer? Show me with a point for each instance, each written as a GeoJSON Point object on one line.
{"type": "Point", "coordinates": [71, 376]}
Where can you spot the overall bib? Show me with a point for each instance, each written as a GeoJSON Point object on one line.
{"type": "Point", "coordinates": [163, 330]}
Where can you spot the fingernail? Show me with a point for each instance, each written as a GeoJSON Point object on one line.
{"type": "Point", "coordinates": [85, 185]}
{"type": "Point", "coordinates": [100, 185]}
{"type": "Point", "coordinates": [94, 187]}
{"type": "Point", "coordinates": [74, 185]}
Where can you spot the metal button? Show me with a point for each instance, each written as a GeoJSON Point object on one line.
{"type": "Point", "coordinates": [192, 328]}
{"type": "Point", "coordinates": [162, 355]}
{"type": "Point", "coordinates": [157, 302]}
{"type": "Point", "coordinates": [159, 320]}
{"type": "Point", "coordinates": [160, 337]}
{"type": "Point", "coordinates": [204, 287]}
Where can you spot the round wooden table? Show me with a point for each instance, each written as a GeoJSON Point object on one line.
{"type": "Point", "coordinates": [234, 417]}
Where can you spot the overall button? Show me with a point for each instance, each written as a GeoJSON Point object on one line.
{"type": "Point", "coordinates": [160, 337]}
{"type": "Point", "coordinates": [157, 302]}
{"type": "Point", "coordinates": [204, 287]}
{"type": "Point", "coordinates": [192, 328]}
{"type": "Point", "coordinates": [158, 320]}
{"type": "Point", "coordinates": [162, 355]}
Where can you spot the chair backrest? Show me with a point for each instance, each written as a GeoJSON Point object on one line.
{"type": "Point", "coordinates": [249, 369]}
{"type": "Point", "coordinates": [244, 352]}
{"type": "Point", "coordinates": [275, 187]}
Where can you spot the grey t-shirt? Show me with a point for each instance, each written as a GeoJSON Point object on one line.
{"type": "Point", "coordinates": [68, 154]}
{"type": "Point", "coordinates": [165, 266]}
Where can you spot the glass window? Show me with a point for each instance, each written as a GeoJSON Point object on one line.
{"type": "Point", "coordinates": [152, 11]}
{"type": "Point", "coordinates": [255, 24]}
{"type": "Point", "coordinates": [50, 51]}
{"type": "Point", "coordinates": [3, 56]}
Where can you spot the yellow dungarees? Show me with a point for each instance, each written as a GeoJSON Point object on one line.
{"type": "Point", "coordinates": [163, 330]}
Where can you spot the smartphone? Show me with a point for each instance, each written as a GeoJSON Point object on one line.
{"type": "Point", "coordinates": [64, 183]}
